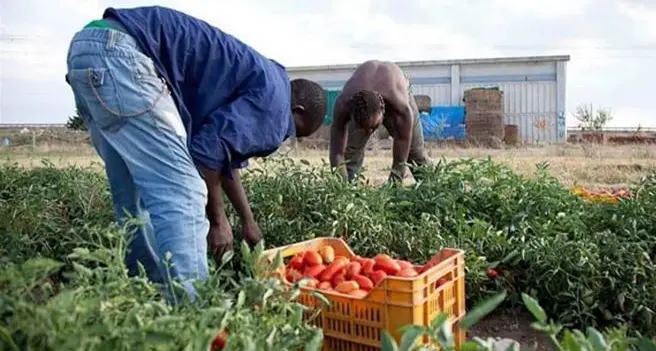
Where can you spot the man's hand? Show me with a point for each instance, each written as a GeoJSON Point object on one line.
{"type": "Point", "coordinates": [251, 232]}
{"type": "Point", "coordinates": [219, 240]}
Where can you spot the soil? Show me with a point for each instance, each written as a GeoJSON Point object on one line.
{"type": "Point", "coordinates": [511, 325]}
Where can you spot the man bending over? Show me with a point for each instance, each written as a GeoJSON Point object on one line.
{"type": "Point", "coordinates": [377, 92]}
{"type": "Point", "coordinates": [165, 95]}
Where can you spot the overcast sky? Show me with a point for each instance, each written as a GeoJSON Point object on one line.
{"type": "Point", "coordinates": [612, 43]}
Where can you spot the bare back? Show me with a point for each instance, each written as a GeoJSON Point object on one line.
{"type": "Point", "coordinates": [381, 76]}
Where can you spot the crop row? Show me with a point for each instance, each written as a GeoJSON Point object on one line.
{"type": "Point", "coordinates": [589, 264]}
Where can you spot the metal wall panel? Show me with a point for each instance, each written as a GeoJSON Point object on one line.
{"type": "Point", "coordinates": [529, 105]}
{"type": "Point", "coordinates": [440, 94]}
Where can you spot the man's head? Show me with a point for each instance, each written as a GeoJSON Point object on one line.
{"type": "Point", "coordinates": [366, 109]}
{"type": "Point", "coordinates": [308, 106]}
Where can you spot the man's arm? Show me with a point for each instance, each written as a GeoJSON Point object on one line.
{"type": "Point", "coordinates": [219, 238]}
{"type": "Point", "coordinates": [338, 138]}
{"type": "Point", "coordinates": [215, 208]}
{"type": "Point", "coordinates": [237, 195]}
{"type": "Point", "coordinates": [401, 147]}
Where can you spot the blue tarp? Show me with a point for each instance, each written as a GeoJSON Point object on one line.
{"type": "Point", "coordinates": [443, 123]}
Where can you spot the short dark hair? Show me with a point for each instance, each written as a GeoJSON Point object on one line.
{"type": "Point", "coordinates": [312, 97]}
{"type": "Point", "coordinates": [364, 104]}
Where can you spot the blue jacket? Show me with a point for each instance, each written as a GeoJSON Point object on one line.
{"type": "Point", "coordinates": [233, 101]}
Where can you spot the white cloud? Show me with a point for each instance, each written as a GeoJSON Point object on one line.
{"type": "Point", "coordinates": [643, 16]}
{"type": "Point", "coordinates": [545, 9]}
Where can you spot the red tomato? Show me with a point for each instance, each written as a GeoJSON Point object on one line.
{"type": "Point", "coordinates": [312, 258]}
{"type": "Point", "coordinates": [492, 274]}
{"type": "Point", "coordinates": [296, 263]}
{"type": "Point", "coordinates": [377, 277]}
{"type": "Point", "coordinates": [440, 282]}
{"type": "Point", "coordinates": [220, 340]}
{"type": "Point", "coordinates": [404, 264]}
{"type": "Point", "coordinates": [353, 269]}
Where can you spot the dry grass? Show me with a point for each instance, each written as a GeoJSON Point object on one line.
{"type": "Point", "coordinates": [590, 165]}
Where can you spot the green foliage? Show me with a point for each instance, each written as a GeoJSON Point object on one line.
{"type": "Point", "coordinates": [589, 264]}
{"type": "Point", "coordinates": [62, 274]}
{"type": "Point", "coordinates": [440, 336]}
{"type": "Point", "coordinates": [75, 122]}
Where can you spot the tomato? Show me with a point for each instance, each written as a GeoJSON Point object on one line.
{"type": "Point", "coordinates": [337, 279]}
{"type": "Point", "coordinates": [220, 340]}
{"type": "Point", "coordinates": [314, 271]}
{"type": "Point", "coordinates": [377, 277]}
{"type": "Point", "coordinates": [312, 258]}
{"type": "Point", "coordinates": [296, 263]}
{"type": "Point", "coordinates": [359, 293]}
{"type": "Point", "coordinates": [383, 256]}
{"type": "Point", "coordinates": [368, 266]}
{"type": "Point", "coordinates": [407, 273]}
{"type": "Point", "coordinates": [386, 264]}
{"type": "Point", "coordinates": [492, 274]}
{"type": "Point", "coordinates": [404, 264]}
{"type": "Point", "coordinates": [325, 286]}
{"type": "Point", "coordinates": [327, 254]}
{"type": "Point", "coordinates": [353, 269]}
{"type": "Point", "coordinates": [347, 286]}
{"type": "Point", "coordinates": [364, 282]}
{"type": "Point", "coordinates": [441, 282]}
{"type": "Point", "coordinates": [333, 269]}
{"type": "Point", "coordinates": [293, 275]}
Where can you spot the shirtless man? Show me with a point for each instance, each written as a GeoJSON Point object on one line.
{"type": "Point", "coordinates": [377, 92]}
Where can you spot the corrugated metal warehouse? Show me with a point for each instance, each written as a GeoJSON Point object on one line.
{"type": "Point", "coordinates": [534, 88]}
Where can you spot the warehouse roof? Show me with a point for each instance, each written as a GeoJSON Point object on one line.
{"type": "Point", "coordinates": [404, 64]}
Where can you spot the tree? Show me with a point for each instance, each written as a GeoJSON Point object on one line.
{"type": "Point", "coordinates": [589, 119]}
{"type": "Point", "coordinates": [76, 122]}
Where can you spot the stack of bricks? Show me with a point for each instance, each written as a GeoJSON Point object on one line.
{"type": "Point", "coordinates": [423, 103]}
{"type": "Point", "coordinates": [484, 116]}
{"type": "Point", "coordinates": [511, 134]}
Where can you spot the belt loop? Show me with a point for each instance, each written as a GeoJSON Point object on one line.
{"type": "Point", "coordinates": [111, 42]}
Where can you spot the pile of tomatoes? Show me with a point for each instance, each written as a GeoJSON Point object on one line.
{"type": "Point", "coordinates": [610, 196]}
{"type": "Point", "coordinates": [355, 276]}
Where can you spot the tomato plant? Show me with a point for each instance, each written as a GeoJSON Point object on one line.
{"type": "Point", "coordinates": [62, 271]}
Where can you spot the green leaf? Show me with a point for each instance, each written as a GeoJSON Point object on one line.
{"type": "Point", "coordinates": [645, 344]}
{"type": "Point", "coordinates": [410, 335]}
{"type": "Point", "coordinates": [267, 294]}
{"type": "Point", "coordinates": [440, 319]}
{"type": "Point", "coordinates": [597, 339]}
{"type": "Point", "coordinates": [321, 297]}
{"type": "Point", "coordinates": [271, 338]}
{"type": "Point", "coordinates": [482, 310]}
{"type": "Point", "coordinates": [277, 261]}
{"type": "Point", "coordinates": [388, 343]}
{"type": "Point", "coordinates": [5, 336]}
{"type": "Point", "coordinates": [316, 342]}
{"type": "Point", "coordinates": [227, 256]}
{"type": "Point", "coordinates": [470, 346]}
{"type": "Point", "coordinates": [159, 337]}
{"type": "Point", "coordinates": [82, 270]}
{"type": "Point", "coordinates": [535, 308]}
{"type": "Point", "coordinates": [241, 299]}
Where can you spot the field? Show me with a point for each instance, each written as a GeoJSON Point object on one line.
{"type": "Point", "coordinates": [588, 264]}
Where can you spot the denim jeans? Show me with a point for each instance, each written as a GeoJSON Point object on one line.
{"type": "Point", "coordinates": [136, 129]}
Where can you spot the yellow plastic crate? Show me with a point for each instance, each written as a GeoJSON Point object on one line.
{"type": "Point", "coordinates": [354, 324]}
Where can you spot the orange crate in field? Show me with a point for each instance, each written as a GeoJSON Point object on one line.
{"type": "Point", "coordinates": [356, 324]}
